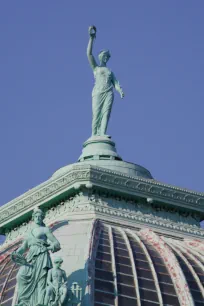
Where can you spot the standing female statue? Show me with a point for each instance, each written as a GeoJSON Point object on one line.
{"type": "Point", "coordinates": [102, 94]}
{"type": "Point", "coordinates": [32, 276]}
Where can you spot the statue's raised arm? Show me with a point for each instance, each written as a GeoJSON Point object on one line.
{"type": "Point", "coordinates": [92, 36]}
{"type": "Point", "coordinates": [102, 94]}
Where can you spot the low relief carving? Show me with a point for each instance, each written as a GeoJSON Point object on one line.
{"type": "Point", "coordinates": [151, 209]}
{"type": "Point", "coordinates": [48, 189]}
{"type": "Point", "coordinates": [70, 205]}
{"type": "Point", "coordinates": [93, 174]}
{"type": "Point", "coordinates": [52, 214]}
{"type": "Point", "coordinates": [160, 215]}
{"type": "Point", "coordinates": [18, 231]}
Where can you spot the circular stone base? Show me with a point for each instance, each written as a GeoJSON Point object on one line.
{"type": "Point", "coordinates": [100, 151]}
{"type": "Point", "coordinates": [99, 147]}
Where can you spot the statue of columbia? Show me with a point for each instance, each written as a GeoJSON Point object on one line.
{"type": "Point", "coordinates": [102, 94]}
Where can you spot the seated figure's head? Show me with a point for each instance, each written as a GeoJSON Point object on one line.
{"type": "Point", "coordinates": [58, 261]}
{"type": "Point", "coordinates": [104, 56]}
{"type": "Point", "coordinates": [38, 216]}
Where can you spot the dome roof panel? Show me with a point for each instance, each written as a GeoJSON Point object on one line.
{"type": "Point", "coordinates": [8, 271]}
{"type": "Point", "coordinates": [130, 270]}
{"type": "Point", "coordinates": [130, 267]}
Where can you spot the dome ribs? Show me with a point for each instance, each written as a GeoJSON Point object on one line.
{"type": "Point", "coordinates": [134, 270]}
{"type": "Point", "coordinates": [128, 294]}
{"type": "Point", "coordinates": [158, 246]}
{"type": "Point", "coordinates": [7, 292]}
{"type": "Point", "coordinates": [192, 269]}
{"type": "Point", "coordinates": [8, 271]}
{"type": "Point", "coordinates": [113, 261]}
{"type": "Point", "coordinates": [104, 280]}
{"type": "Point", "coordinates": [151, 265]}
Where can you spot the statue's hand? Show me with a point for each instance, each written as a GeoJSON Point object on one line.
{"type": "Point", "coordinates": [18, 258]}
{"type": "Point", "coordinates": [122, 94]}
{"type": "Point", "coordinates": [51, 248]}
{"type": "Point", "coordinates": [92, 31]}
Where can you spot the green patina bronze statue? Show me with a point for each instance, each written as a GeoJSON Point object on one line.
{"type": "Point", "coordinates": [56, 291]}
{"type": "Point", "coordinates": [32, 275]}
{"type": "Point", "coordinates": [102, 94]}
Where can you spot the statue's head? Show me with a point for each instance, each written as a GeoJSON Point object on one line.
{"type": "Point", "coordinates": [58, 261]}
{"type": "Point", "coordinates": [38, 216]}
{"type": "Point", "coordinates": [104, 56]}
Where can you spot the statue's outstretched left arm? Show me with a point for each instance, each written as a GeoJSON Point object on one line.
{"type": "Point", "coordinates": [117, 86]}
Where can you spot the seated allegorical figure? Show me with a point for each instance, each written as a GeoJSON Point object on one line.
{"type": "Point", "coordinates": [56, 291]}
{"type": "Point", "coordinates": [32, 275]}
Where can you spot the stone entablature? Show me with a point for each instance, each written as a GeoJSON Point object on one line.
{"type": "Point", "coordinates": [90, 203]}
{"type": "Point", "coordinates": [87, 176]}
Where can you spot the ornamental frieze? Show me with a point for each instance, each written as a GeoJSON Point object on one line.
{"type": "Point", "coordinates": [80, 175]}
{"type": "Point", "coordinates": [130, 210]}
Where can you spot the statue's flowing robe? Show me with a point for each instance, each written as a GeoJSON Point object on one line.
{"type": "Point", "coordinates": [32, 278]}
{"type": "Point", "coordinates": [102, 99]}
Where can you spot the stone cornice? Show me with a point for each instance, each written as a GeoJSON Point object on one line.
{"type": "Point", "coordinates": [90, 204]}
{"type": "Point", "coordinates": [91, 176]}
{"type": "Point", "coordinates": [149, 188]}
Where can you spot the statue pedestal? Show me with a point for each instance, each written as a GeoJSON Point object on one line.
{"type": "Point", "coordinates": [99, 147]}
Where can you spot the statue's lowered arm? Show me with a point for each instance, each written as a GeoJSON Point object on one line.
{"type": "Point", "coordinates": [17, 256]}
{"type": "Point", "coordinates": [49, 278]}
{"type": "Point", "coordinates": [22, 248]}
{"type": "Point", "coordinates": [117, 86]}
{"type": "Point", "coordinates": [55, 245]}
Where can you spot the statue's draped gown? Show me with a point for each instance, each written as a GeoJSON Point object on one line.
{"type": "Point", "coordinates": [102, 99]}
{"type": "Point", "coordinates": [32, 278]}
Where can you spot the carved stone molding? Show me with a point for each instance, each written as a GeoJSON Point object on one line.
{"type": "Point", "coordinates": [86, 175]}
{"type": "Point", "coordinates": [144, 213]}
{"type": "Point", "coordinates": [18, 232]}
{"type": "Point", "coordinates": [90, 201]}
{"type": "Point", "coordinates": [41, 194]}
{"type": "Point", "coordinates": [149, 187]}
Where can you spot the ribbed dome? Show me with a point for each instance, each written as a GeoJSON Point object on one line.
{"type": "Point", "coordinates": [8, 271]}
{"type": "Point", "coordinates": [141, 268]}
{"type": "Point", "coordinates": [132, 268]}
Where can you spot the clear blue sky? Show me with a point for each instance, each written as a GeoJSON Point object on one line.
{"type": "Point", "coordinates": [157, 52]}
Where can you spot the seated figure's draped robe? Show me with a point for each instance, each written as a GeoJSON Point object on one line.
{"type": "Point", "coordinates": [32, 278]}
